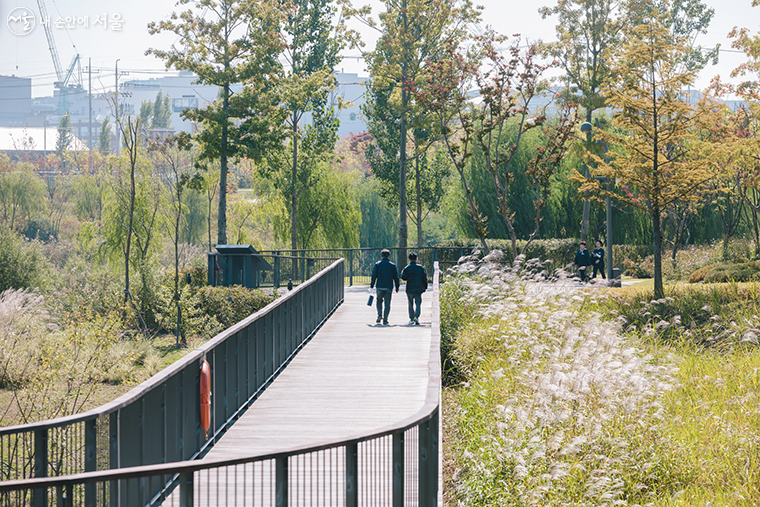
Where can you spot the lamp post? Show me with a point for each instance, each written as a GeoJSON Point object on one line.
{"type": "Point", "coordinates": [586, 127]}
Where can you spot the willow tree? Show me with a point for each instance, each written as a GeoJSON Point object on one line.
{"type": "Point", "coordinates": [230, 44]}
{"type": "Point", "coordinates": [662, 153]}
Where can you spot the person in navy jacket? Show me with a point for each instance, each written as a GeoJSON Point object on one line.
{"type": "Point", "coordinates": [597, 257]}
{"type": "Point", "coordinates": [385, 275]}
{"type": "Point", "coordinates": [416, 283]}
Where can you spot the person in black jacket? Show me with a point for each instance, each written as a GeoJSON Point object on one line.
{"type": "Point", "coordinates": [385, 275]}
{"type": "Point", "coordinates": [597, 257]}
{"type": "Point", "coordinates": [416, 283]}
{"type": "Point", "coordinates": [583, 261]}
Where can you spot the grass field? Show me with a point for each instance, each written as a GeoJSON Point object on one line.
{"type": "Point", "coordinates": [560, 397]}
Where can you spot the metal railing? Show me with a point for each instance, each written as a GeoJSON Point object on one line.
{"type": "Point", "coordinates": [359, 262]}
{"type": "Point", "coordinates": [159, 421]}
{"type": "Point", "coordinates": [395, 466]}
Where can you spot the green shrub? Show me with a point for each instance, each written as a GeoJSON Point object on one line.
{"type": "Point", "coordinates": [455, 314]}
{"type": "Point", "coordinates": [720, 314]}
{"type": "Point", "coordinates": [22, 262]}
{"type": "Point", "coordinates": [230, 305]}
{"type": "Point", "coordinates": [721, 273]}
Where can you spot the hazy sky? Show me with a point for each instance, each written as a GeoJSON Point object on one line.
{"type": "Point", "coordinates": [27, 55]}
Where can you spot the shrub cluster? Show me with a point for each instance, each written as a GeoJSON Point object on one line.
{"type": "Point", "coordinates": [718, 273]}
{"type": "Point", "coordinates": [724, 316]}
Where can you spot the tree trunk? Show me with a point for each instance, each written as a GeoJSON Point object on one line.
{"type": "Point", "coordinates": [659, 290]}
{"type": "Point", "coordinates": [221, 238]}
{"type": "Point", "coordinates": [419, 203]}
{"type": "Point", "coordinates": [402, 223]}
{"type": "Point", "coordinates": [294, 199]}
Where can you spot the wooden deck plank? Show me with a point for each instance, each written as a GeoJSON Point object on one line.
{"type": "Point", "coordinates": [354, 377]}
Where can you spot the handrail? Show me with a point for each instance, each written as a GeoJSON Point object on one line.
{"type": "Point", "coordinates": [426, 419]}
{"type": "Point", "coordinates": [159, 420]}
{"type": "Point", "coordinates": [161, 377]}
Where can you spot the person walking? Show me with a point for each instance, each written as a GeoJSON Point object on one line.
{"type": "Point", "coordinates": [416, 283]}
{"type": "Point", "coordinates": [583, 261]}
{"type": "Point", "coordinates": [598, 258]}
{"type": "Point", "coordinates": [385, 275]}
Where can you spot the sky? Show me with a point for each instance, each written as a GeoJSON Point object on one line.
{"type": "Point", "coordinates": [104, 31]}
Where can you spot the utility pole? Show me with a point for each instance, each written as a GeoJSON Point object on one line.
{"type": "Point", "coordinates": [116, 107]}
{"type": "Point", "coordinates": [89, 123]}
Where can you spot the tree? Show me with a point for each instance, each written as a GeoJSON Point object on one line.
{"type": "Point", "coordinates": [146, 114]}
{"type": "Point", "coordinates": [662, 152]}
{"type": "Point", "coordinates": [228, 42]}
{"type": "Point", "coordinates": [22, 195]}
{"type": "Point", "coordinates": [104, 137]}
{"type": "Point", "coordinates": [162, 111]}
{"type": "Point", "coordinates": [65, 135]}
{"type": "Point", "coordinates": [328, 213]}
{"type": "Point", "coordinates": [586, 31]}
{"type": "Point", "coordinates": [412, 33]}
{"type": "Point", "coordinates": [497, 126]}
{"type": "Point", "coordinates": [311, 52]}
{"type": "Point", "coordinates": [589, 30]}
{"type": "Point", "coordinates": [176, 171]}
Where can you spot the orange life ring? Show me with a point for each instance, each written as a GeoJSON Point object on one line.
{"type": "Point", "coordinates": [205, 396]}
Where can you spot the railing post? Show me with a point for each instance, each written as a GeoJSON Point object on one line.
{"type": "Point", "coordinates": [90, 459]}
{"type": "Point", "coordinates": [352, 469]}
{"type": "Point", "coordinates": [398, 469]}
{"type": "Point", "coordinates": [281, 482]}
{"type": "Point", "coordinates": [277, 270]}
{"type": "Point", "coordinates": [186, 489]}
{"type": "Point", "coordinates": [428, 464]}
{"type": "Point", "coordinates": [39, 496]}
{"type": "Point", "coordinates": [114, 462]}
{"type": "Point", "coordinates": [350, 268]}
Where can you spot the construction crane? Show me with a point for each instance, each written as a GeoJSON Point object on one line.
{"type": "Point", "coordinates": [64, 85]}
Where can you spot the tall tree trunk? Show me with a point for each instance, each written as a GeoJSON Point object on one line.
{"type": "Point", "coordinates": [180, 336]}
{"type": "Point", "coordinates": [659, 290]}
{"type": "Point", "coordinates": [418, 189]}
{"type": "Point", "coordinates": [294, 198]}
{"type": "Point", "coordinates": [402, 223]}
{"type": "Point", "coordinates": [221, 238]}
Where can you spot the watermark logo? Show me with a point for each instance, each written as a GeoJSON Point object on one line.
{"type": "Point", "coordinates": [21, 21]}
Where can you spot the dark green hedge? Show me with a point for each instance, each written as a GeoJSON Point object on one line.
{"type": "Point", "coordinates": [230, 305]}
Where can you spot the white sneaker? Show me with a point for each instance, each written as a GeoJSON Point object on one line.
{"type": "Point", "coordinates": [410, 323]}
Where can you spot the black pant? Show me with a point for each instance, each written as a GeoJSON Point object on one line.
{"type": "Point", "coordinates": [599, 266]}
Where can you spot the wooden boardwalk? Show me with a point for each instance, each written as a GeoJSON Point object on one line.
{"type": "Point", "coordinates": [353, 378]}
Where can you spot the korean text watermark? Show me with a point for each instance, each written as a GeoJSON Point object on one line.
{"type": "Point", "coordinates": [22, 21]}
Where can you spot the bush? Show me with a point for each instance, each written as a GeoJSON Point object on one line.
{"type": "Point", "coordinates": [725, 314]}
{"type": "Point", "coordinates": [22, 263]}
{"type": "Point", "coordinates": [230, 305]}
{"type": "Point", "coordinates": [721, 273]}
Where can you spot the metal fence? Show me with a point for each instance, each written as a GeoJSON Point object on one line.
{"type": "Point", "coordinates": [159, 421]}
{"type": "Point", "coordinates": [296, 265]}
{"type": "Point", "coordinates": [396, 466]}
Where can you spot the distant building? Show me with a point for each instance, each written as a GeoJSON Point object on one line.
{"type": "Point", "coordinates": [32, 143]}
{"type": "Point", "coordinates": [15, 100]}
{"type": "Point", "coordinates": [351, 89]}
